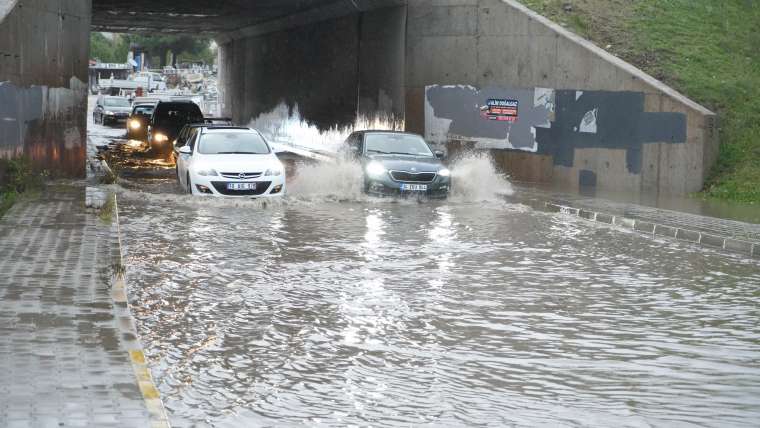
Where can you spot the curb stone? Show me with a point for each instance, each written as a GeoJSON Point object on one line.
{"type": "Point", "coordinates": [727, 244]}
{"type": "Point", "coordinates": [130, 338]}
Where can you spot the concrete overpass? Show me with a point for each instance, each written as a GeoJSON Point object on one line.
{"type": "Point", "coordinates": [439, 68]}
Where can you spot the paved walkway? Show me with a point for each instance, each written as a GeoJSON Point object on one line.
{"type": "Point", "coordinates": [63, 346]}
{"type": "Point", "coordinates": [731, 235]}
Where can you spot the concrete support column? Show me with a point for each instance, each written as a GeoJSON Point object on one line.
{"type": "Point", "coordinates": [382, 60]}
{"type": "Point", "coordinates": [44, 49]}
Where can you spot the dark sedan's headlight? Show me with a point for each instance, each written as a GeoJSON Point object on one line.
{"type": "Point", "coordinates": [444, 172]}
{"type": "Point", "coordinates": [375, 169]}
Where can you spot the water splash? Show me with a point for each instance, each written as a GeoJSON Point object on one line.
{"type": "Point", "coordinates": [285, 126]}
{"type": "Point", "coordinates": [476, 179]}
{"type": "Point", "coordinates": [339, 180]}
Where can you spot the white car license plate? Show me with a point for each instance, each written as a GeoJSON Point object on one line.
{"type": "Point", "coordinates": [241, 186]}
{"type": "Point", "coordinates": [414, 187]}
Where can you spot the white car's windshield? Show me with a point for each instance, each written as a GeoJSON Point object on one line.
{"type": "Point", "coordinates": [232, 143]}
{"type": "Point", "coordinates": [396, 144]}
{"type": "Point", "coordinates": [117, 102]}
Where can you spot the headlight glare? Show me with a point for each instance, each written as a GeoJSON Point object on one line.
{"type": "Point", "coordinates": [273, 172]}
{"type": "Point", "coordinates": [135, 124]}
{"type": "Point", "coordinates": [375, 169]}
{"type": "Point", "coordinates": [444, 172]}
{"type": "Point", "coordinates": [160, 138]}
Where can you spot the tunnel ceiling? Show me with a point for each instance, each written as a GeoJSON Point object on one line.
{"type": "Point", "coordinates": [192, 16]}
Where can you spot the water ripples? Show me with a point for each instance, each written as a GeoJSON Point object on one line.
{"type": "Point", "coordinates": [438, 314]}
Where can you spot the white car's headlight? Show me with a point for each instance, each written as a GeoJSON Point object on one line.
{"type": "Point", "coordinates": [207, 172]}
{"type": "Point", "coordinates": [109, 113]}
{"type": "Point", "coordinates": [273, 172]}
{"type": "Point", "coordinates": [375, 169]}
{"type": "Point", "coordinates": [444, 172]}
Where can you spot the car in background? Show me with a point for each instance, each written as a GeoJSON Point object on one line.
{"type": "Point", "coordinates": [399, 164]}
{"type": "Point", "coordinates": [109, 110]}
{"type": "Point", "coordinates": [167, 120]}
{"type": "Point", "coordinates": [229, 161]}
{"type": "Point", "coordinates": [138, 121]}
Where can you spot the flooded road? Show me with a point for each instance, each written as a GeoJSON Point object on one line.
{"type": "Point", "coordinates": [335, 311]}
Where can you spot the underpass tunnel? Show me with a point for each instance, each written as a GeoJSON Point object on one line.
{"type": "Point", "coordinates": [491, 75]}
{"type": "Point", "coordinates": [322, 63]}
{"type": "Point", "coordinates": [330, 61]}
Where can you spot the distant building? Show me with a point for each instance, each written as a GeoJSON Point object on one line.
{"type": "Point", "coordinates": [102, 71]}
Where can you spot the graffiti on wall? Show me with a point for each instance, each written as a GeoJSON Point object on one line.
{"type": "Point", "coordinates": [550, 122]}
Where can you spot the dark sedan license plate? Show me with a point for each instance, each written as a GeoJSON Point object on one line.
{"type": "Point", "coordinates": [241, 186]}
{"type": "Point", "coordinates": [414, 187]}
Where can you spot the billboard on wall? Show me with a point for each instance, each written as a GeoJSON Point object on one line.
{"type": "Point", "coordinates": [547, 121]}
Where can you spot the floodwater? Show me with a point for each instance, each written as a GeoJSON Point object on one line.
{"type": "Point", "coordinates": [332, 309]}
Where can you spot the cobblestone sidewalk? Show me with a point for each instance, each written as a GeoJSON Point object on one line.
{"type": "Point", "coordinates": [63, 361]}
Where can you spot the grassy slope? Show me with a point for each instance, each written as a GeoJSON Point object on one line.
{"type": "Point", "coordinates": [707, 49]}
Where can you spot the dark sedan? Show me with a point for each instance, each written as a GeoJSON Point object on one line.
{"type": "Point", "coordinates": [399, 164]}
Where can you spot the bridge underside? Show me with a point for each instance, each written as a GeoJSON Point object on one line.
{"type": "Point", "coordinates": [215, 17]}
{"type": "Point", "coordinates": [581, 116]}
{"type": "Point", "coordinates": [192, 16]}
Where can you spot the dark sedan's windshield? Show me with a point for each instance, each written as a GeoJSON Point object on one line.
{"type": "Point", "coordinates": [396, 144]}
{"type": "Point", "coordinates": [232, 143]}
{"type": "Point", "coordinates": [116, 102]}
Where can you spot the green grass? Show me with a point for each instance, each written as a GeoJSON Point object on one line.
{"type": "Point", "coordinates": [707, 49]}
{"type": "Point", "coordinates": [107, 211]}
{"type": "Point", "coordinates": [6, 201]}
{"type": "Point", "coordinates": [17, 177]}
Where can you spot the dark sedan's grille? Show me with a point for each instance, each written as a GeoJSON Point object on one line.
{"type": "Point", "coordinates": [414, 177]}
{"type": "Point", "coordinates": [237, 175]}
{"type": "Point", "coordinates": [261, 187]}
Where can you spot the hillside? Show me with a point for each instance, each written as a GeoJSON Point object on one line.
{"type": "Point", "coordinates": [707, 49]}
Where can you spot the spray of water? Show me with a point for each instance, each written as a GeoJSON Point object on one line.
{"type": "Point", "coordinates": [286, 126]}
{"type": "Point", "coordinates": [335, 181]}
{"type": "Point", "coordinates": [476, 179]}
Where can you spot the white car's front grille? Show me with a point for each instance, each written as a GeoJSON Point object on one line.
{"type": "Point", "coordinates": [241, 175]}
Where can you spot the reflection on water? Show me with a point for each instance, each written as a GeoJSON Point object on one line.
{"type": "Point", "coordinates": [443, 314]}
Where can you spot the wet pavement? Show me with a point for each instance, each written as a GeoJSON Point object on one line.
{"type": "Point", "coordinates": [61, 347]}
{"type": "Point", "coordinates": [332, 311]}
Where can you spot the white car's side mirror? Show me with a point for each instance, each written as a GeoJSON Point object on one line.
{"type": "Point", "coordinates": [185, 150]}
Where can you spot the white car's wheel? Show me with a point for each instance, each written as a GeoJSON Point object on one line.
{"type": "Point", "coordinates": [189, 184]}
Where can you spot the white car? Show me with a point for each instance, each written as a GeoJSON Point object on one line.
{"type": "Point", "coordinates": [229, 161]}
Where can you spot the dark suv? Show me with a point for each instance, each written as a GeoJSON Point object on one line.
{"type": "Point", "coordinates": [168, 119]}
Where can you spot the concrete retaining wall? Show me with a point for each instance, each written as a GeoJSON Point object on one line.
{"type": "Point", "coordinates": [585, 117]}
{"type": "Point", "coordinates": [44, 47]}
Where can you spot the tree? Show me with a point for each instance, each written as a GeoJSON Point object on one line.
{"type": "Point", "coordinates": [188, 48]}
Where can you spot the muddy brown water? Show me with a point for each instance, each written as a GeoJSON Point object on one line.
{"type": "Point", "coordinates": [330, 311]}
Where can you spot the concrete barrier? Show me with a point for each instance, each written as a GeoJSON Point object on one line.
{"type": "Point", "coordinates": [552, 106]}
{"type": "Point", "coordinates": [44, 46]}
